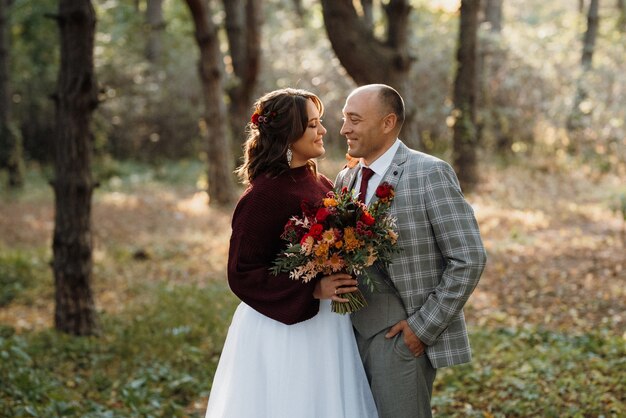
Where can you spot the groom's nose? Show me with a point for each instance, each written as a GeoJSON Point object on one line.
{"type": "Point", "coordinates": [344, 127]}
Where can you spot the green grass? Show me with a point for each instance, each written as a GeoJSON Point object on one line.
{"type": "Point", "coordinates": [156, 359]}
{"type": "Point", "coordinates": [20, 271]}
{"type": "Point", "coordinates": [532, 373]}
{"type": "Point", "coordinates": [153, 360]}
{"type": "Point", "coordinates": [126, 175]}
{"type": "Point", "coordinates": [110, 174]}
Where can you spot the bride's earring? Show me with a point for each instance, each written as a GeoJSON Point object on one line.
{"type": "Point", "coordinates": [289, 156]}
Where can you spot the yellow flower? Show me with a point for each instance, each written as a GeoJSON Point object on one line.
{"type": "Point", "coordinates": [330, 202]}
{"type": "Point", "coordinates": [350, 240]}
{"type": "Point", "coordinates": [328, 236]}
{"type": "Point", "coordinates": [336, 262]}
{"type": "Point", "coordinates": [321, 250]}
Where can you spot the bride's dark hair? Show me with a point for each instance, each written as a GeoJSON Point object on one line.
{"type": "Point", "coordinates": [279, 119]}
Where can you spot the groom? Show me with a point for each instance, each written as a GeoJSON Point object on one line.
{"type": "Point", "coordinates": [414, 321]}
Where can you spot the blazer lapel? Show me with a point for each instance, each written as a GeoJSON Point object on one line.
{"type": "Point", "coordinates": [350, 177]}
{"type": "Point", "coordinates": [394, 172]}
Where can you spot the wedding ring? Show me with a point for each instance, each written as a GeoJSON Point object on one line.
{"type": "Point", "coordinates": [336, 290]}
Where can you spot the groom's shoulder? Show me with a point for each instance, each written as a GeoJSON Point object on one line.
{"type": "Point", "coordinates": [345, 171]}
{"type": "Point", "coordinates": [423, 160]}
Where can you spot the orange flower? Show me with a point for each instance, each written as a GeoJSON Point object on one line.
{"type": "Point", "coordinates": [335, 262]}
{"type": "Point", "coordinates": [367, 219]}
{"type": "Point", "coordinates": [350, 240]}
{"type": "Point", "coordinates": [321, 250]}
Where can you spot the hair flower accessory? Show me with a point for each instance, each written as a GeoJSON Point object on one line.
{"type": "Point", "coordinates": [257, 117]}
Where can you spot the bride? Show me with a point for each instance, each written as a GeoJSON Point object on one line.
{"type": "Point", "coordinates": [286, 354]}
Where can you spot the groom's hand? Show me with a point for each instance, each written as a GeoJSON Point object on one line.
{"type": "Point", "coordinates": [411, 340]}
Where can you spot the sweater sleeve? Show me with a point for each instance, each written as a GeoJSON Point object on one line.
{"type": "Point", "coordinates": [258, 222]}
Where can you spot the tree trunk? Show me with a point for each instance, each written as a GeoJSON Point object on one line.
{"type": "Point", "coordinates": [220, 178]}
{"type": "Point", "coordinates": [156, 26]}
{"type": "Point", "coordinates": [243, 28]}
{"type": "Point", "coordinates": [76, 99]}
{"type": "Point", "coordinates": [621, 22]}
{"type": "Point", "coordinates": [493, 15]}
{"type": "Point", "coordinates": [368, 13]}
{"type": "Point", "coordinates": [465, 138]}
{"type": "Point", "coordinates": [579, 115]}
{"type": "Point", "coordinates": [297, 4]}
{"type": "Point", "coordinates": [589, 43]}
{"type": "Point", "coordinates": [5, 95]}
{"type": "Point", "coordinates": [11, 153]}
{"type": "Point", "coordinates": [490, 57]}
{"type": "Point", "coordinates": [368, 59]}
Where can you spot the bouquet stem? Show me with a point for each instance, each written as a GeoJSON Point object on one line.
{"type": "Point", "coordinates": [356, 301]}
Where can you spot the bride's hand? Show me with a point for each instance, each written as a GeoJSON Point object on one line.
{"type": "Point", "coordinates": [333, 286]}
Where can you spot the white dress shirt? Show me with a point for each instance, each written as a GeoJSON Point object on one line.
{"type": "Point", "coordinates": [379, 167]}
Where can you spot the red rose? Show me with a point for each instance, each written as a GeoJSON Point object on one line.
{"type": "Point", "coordinates": [322, 214]}
{"type": "Point", "coordinates": [385, 191]}
{"type": "Point", "coordinates": [367, 219]}
{"type": "Point", "coordinates": [255, 119]}
{"type": "Point", "coordinates": [304, 238]}
{"type": "Point", "coordinates": [308, 209]}
{"type": "Point", "coordinates": [316, 231]}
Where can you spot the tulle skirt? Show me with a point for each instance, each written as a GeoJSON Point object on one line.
{"type": "Point", "coordinates": [308, 370]}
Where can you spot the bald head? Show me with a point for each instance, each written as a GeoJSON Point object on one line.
{"type": "Point", "coordinates": [384, 98]}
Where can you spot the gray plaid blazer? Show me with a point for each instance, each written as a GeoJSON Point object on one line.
{"type": "Point", "coordinates": [442, 255]}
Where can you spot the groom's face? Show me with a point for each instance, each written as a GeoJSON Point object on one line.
{"type": "Point", "coordinates": [363, 126]}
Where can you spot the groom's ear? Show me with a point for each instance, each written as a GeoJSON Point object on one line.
{"type": "Point", "coordinates": [389, 122]}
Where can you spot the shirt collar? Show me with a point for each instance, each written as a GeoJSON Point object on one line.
{"type": "Point", "coordinates": [383, 162]}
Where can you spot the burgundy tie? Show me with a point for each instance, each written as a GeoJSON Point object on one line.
{"type": "Point", "coordinates": [366, 174]}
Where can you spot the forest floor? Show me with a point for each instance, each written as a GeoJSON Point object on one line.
{"type": "Point", "coordinates": [556, 244]}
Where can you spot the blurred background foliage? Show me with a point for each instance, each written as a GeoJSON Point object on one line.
{"type": "Point", "coordinates": [152, 110]}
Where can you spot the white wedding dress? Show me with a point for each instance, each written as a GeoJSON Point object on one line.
{"type": "Point", "coordinates": [308, 370]}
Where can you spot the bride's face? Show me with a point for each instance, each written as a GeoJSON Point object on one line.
{"type": "Point", "coordinates": [311, 143]}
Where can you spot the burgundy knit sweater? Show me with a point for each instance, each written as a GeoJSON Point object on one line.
{"type": "Point", "coordinates": [258, 221]}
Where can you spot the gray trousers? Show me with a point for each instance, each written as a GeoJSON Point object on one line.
{"type": "Point", "coordinates": [401, 383]}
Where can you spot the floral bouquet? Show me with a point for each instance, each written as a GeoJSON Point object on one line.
{"type": "Point", "coordinates": [340, 233]}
